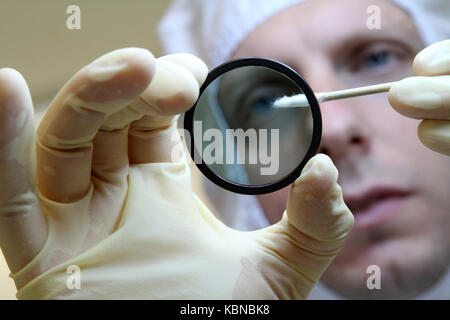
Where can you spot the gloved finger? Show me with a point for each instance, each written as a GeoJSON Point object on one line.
{"type": "Point", "coordinates": [191, 63]}
{"type": "Point", "coordinates": [169, 80]}
{"type": "Point", "coordinates": [23, 228]}
{"type": "Point", "coordinates": [110, 160]}
{"type": "Point", "coordinates": [433, 60]}
{"type": "Point", "coordinates": [315, 204]}
{"type": "Point", "coordinates": [312, 231]}
{"type": "Point", "coordinates": [435, 134]}
{"type": "Point", "coordinates": [422, 97]}
{"type": "Point", "coordinates": [174, 89]}
{"type": "Point", "coordinates": [66, 133]}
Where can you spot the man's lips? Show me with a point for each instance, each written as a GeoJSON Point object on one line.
{"type": "Point", "coordinates": [375, 205]}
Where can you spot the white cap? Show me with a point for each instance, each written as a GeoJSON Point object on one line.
{"type": "Point", "coordinates": [213, 29]}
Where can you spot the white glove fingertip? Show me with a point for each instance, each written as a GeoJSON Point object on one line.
{"type": "Point", "coordinates": [433, 60]}
{"type": "Point", "coordinates": [190, 62]}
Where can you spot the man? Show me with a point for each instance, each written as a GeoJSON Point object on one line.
{"type": "Point", "coordinates": [396, 188]}
{"type": "Point", "coordinates": [112, 217]}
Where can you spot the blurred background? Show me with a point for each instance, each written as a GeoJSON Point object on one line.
{"type": "Point", "coordinates": [36, 41]}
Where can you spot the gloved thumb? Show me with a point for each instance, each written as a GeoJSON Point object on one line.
{"type": "Point", "coordinates": [312, 231]}
{"type": "Point", "coordinates": [315, 204]}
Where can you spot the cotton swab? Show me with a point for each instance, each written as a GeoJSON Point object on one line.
{"type": "Point", "coordinates": [300, 100]}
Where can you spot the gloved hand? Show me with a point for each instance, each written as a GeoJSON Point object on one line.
{"type": "Point", "coordinates": [428, 97]}
{"type": "Point", "coordinates": [111, 201]}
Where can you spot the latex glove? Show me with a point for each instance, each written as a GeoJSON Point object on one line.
{"type": "Point", "coordinates": [428, 97]}
{"type": "Point", "coordinates": [112, 201]}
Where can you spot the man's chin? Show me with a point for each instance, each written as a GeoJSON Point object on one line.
{"type": "Point", "coordinates": [359, 286]}
{"type": "Point", "coordinates": [395, 274]}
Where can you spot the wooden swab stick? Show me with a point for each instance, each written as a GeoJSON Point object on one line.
{"type": "Point", "coordinates": [301, 101]}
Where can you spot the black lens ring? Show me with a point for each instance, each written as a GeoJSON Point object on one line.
{"type": "Point", "coordinates": [315, 139]}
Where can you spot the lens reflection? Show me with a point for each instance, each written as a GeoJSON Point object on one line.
{"type": "Point", "coordinates": [241, 136]}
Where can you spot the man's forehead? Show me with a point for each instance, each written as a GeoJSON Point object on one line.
{"type": "Point", "coordinates": [326, 25]}
{"type": "Point", "coordinates": [332, 25]}
{"type": "Point", "coordinates": [327, 28]}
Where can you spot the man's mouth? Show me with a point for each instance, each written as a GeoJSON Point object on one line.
{"type": "Point", "coordinates": [375, 205]}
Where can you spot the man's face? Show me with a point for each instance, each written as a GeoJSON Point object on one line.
{"type": "Point", "coordinates": [397, 189]}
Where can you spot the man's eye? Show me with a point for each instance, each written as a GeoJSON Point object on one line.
{"type": "Point", "coordinates": [255, 108]}
{"type": "Point", "coordinates": [261, 103]}
{"type": "Point", "coordinates": [376, 59]}
{"type": "Point", "coordinates": [258, 103]}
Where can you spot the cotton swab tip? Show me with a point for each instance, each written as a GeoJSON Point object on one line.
{"type": "Point", "coordinates": [300, 100]}
{"type": "Point", "coordinates": [291, 102]}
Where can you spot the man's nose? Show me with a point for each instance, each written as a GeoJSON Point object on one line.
{"type": "Point", "coordinates": [343, 131]}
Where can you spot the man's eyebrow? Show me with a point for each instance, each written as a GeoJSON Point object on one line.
{"type": "Point", "coordinates": [353, 40]}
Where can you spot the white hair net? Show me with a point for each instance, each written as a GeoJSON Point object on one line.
{"type": "Point", "coordinates": [213, 29]}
